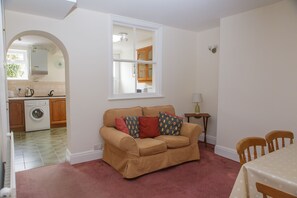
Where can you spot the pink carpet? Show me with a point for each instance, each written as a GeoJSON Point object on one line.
{"type": "Point", "coordinates": [212, 176]}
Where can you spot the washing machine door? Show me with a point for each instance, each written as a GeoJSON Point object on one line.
{"type": "Point", "coordinates": [37, 114]}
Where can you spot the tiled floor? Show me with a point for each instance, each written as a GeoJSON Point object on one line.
{"type": "Point", "coordinates": [40, 148]}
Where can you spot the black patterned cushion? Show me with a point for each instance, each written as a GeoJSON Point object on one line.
{"type": "Point", "coordinates": [133, 126]}
{"type": "Point", "coordinates": [169, 125]}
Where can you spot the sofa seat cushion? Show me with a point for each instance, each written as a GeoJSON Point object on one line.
{"type": "Point", "coordinates": [150, 146]}
{"type": "Point", "coordinates": [174, 141]}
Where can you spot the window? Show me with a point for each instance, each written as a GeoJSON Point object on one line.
{"type": "Point", "coordinates": [136, 57]}
{"type": "Point", "coordinates": [17, 64]}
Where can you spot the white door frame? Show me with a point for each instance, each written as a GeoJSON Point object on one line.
{"type": "Point", "coordinates": [4, 126]}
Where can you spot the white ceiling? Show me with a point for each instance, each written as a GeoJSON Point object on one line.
{"type": "Point", "coordinates": [57, 9]}
{"type": "Point", "coordinates": [193, 15]}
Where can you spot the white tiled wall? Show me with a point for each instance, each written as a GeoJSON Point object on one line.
{"type": "Point", "coordinates": [41, 88]}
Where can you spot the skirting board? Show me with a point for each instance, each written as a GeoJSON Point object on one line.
{"type": "Point", "coordinates": [75, 158]}
{"type": "Point", "coordinates": [226, 152]}
{"type": "Point", "coordinates": [209, 139]}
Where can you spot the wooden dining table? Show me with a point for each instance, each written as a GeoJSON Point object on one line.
{"type": "Point", "coordinates": [277, 169]}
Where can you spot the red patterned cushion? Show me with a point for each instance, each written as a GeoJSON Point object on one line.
{"type": "Point", "coordinates": [120, 125]}
{"type": "Point", "coordinates": [148, 127]}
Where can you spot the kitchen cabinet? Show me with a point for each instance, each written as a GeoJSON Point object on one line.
{"type": "Point", "coordinates": [144, 70]}
{"type": "Point", "coordinates": [58, 112]}
{"type": "Point", "coordinates": [16, 115]}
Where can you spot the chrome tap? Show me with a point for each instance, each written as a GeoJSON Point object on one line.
{"type": "Point", "coordinates": [51, 93]}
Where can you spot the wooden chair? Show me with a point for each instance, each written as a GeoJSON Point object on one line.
{"type": "Point", "coordinates": [272, 192]}
{"type": "Point", "coordinates": [273, 136]}
{"type": "Point", "coordinates": [245, 144]}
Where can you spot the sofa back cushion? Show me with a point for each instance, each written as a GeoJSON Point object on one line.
{"type": "Point", "coordinates": [110, 115]}
{"type": "Point", "coordinates": [154, 110]}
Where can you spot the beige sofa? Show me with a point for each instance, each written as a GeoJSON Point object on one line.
{"type": "Point", "coordinates": [135, 157]}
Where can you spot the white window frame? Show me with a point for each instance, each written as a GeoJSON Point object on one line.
{"type": "Point", "coordinates": [26, 62]}
{"type": "Point", "coordinates": [157, 54]}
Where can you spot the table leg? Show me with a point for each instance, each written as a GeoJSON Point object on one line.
{"type": "Point", "coordinates": [205, 121]}
{"type": "Point", "coordinates": [188, 119]}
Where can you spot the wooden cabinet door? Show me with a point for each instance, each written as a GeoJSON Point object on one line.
{"type": "Point", "coordinates": [16, 115]}
{"type": "Point", "coordinates": [150, 72]}
{"type": "Point", "coordinates": [144, 70]}
{"type": "Point", "coordinates": [58, 112]}
{"type": "Point", "coordinates": [142, 76]}
{"type": "Point", "coordinates": [141, 54]}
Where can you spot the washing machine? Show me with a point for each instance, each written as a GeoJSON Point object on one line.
{"type": "Point", "coordinates": [37, 115]}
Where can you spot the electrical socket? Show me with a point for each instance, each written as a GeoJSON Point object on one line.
{"type": "Point", "coordinates": [98, 147]}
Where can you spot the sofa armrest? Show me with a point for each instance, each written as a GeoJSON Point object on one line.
{"type": "Point", "coordinates": [119, 140]}
{"type": "Point", "coordinates": [192, 131]}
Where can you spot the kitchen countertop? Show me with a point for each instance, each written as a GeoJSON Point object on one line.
{"type": "Point", "coordinates": [36, 98]}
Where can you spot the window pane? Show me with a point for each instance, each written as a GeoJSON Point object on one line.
{"type": "Point", "coordinates": [124, 77]}
{"type": "Point", "coordinates": [145, 78]}
{"type": "Point", "coordinates": [150, 72]}
{"type": "Point", "coordinates": [144, 42]}
{"type": "Point", "coordinates": [142, 72]}
{"type": "Point", "coordinates": [15, 56]}
{"type": "Point", "coordinates": [123, 42]}
{"type": "Point", "coordinates": [17, 65]}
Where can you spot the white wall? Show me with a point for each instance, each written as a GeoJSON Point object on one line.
{"type": "Point", "coordinates": [56, 72]}
{"type": "Point", "coordinates": [257, 74]}
{"type": "Point", "coordinates": [207, 78]}
{"type": "Point", "coordinates": [179, 62]}
{"type": "Point", "coordinates": [85, 35]}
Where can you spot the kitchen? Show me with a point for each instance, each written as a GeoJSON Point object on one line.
{"type": "Point", "coordinates": [37, 106]}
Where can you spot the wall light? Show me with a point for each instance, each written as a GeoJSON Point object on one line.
{"type": "Point", "coordinates": [213, 48]}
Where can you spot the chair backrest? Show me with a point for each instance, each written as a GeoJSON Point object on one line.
{"type": "Point", "coordinates": [273, 136]}
{"type": "Point", "coordinates": [245, 145]}
{"type": "Point", "coordinates": [272, 192]}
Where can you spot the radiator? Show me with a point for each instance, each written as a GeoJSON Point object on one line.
{"type": "Point", "coordinates": [9, 189]}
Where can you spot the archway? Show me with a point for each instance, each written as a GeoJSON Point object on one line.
{"type": "Point", "coordinates": [47, 35]}
{"type": "Point", "coordinates": [64, 52]}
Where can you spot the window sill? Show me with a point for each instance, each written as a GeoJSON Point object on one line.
{"type": "Point", "coordinates": [135, 96]}
{"type": "Point", "coordinates": [19, 79]}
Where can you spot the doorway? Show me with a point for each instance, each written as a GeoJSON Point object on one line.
{"type": "Point", "coordinates": [36, 75]}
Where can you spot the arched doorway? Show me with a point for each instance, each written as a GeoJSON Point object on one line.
{"type": "Point", "coordinates": [41, 147]}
